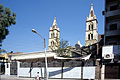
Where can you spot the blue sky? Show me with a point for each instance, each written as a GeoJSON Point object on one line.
{"type": "Point", "coordinates": [71, 18]}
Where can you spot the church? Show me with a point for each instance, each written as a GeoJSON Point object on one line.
{"type": "Point", "coordinates": [90, 37]}
{"type": "Point", "coordinates": [27, 65]}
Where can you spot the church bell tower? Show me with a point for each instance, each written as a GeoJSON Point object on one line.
{"type": "Point", "coordinates": [54, 36]}
{"type": "Point", "coordinates": [91, 28]}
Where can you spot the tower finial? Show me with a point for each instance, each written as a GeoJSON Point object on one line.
{"type": "Point", "coordinates": [91, 6]}
{"type": "Point", "coordinates": [91, 11]}
{"type": "Point", "coordinates": [54, 23]}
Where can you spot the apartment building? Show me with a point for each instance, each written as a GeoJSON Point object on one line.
{"type": "Point", "coordinates": [112, 22]}
{"type": "Point", "coordinates": [111, 48]}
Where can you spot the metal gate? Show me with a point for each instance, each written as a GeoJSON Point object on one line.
{"type": "Point", "coordinates": [112, 71]}
{"type": "Point", "coordinates": [13, 68]}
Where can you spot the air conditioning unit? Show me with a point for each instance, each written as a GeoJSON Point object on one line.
{"type": "Point", "coordinates": [108, 56]}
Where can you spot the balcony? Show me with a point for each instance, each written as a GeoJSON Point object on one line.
{"type": "Point", "coordinates": [112, 33]}
{"type": "Point", "coordinates": [112, 13]}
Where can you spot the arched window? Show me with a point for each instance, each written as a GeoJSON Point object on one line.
{"type": "Point", "coordinates": [91, 36]}
{"type": "Point", "coordinates": [57, 35]}
{"type": "Point", "coordinates": [51, 43]}
{"type": "Point", "coordinates": [88, 36]}
{"type": "Point", "coordinates": [92, 26]}
{"type": "Point", "coordinates": [53, 35]}
{"type": "Point", "coordinates": [89, 27]}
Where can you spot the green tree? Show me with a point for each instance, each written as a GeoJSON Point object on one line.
{"type": "Point", "coordinates": [63, 49]}
{"type": "Point", "coordinates": [2, 50]}
{"type": "Point", "coordinates": [6, 19]}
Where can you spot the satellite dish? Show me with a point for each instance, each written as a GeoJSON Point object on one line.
{"type": "Point", "coordinates": [77, 46]}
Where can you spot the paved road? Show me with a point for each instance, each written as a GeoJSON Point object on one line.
{"type": "Point", "coordinates": [6, 77]}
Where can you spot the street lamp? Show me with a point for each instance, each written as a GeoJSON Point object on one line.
{"type": "Point", "coordinates": [45, 76]}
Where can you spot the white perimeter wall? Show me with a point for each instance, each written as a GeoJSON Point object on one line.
{"type": "Point", "coordinates": [25, 72]}
{"type": "Point", "coordinates": [7, 68]}
{"type": "Point", "coordinates": [55, 72]}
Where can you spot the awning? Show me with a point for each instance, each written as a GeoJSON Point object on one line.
{"type": "Point", "coordinates": [76, 58]}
